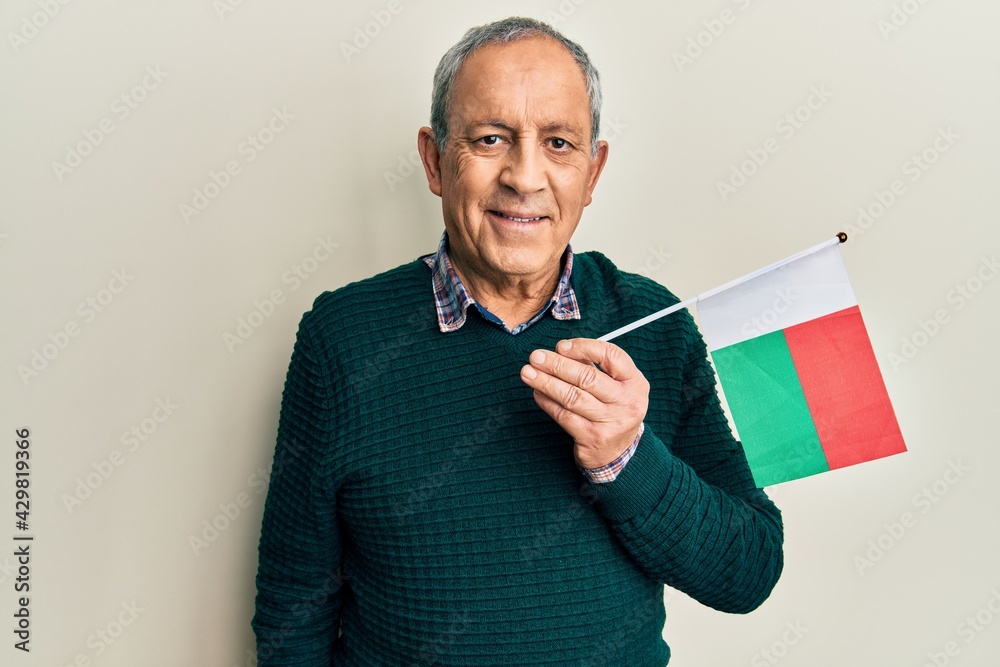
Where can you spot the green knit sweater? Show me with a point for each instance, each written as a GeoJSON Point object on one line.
{"type": "Point", "coordinates": [425, 509]}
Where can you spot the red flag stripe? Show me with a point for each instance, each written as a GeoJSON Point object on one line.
{"type": "Point", "coordinates": [844, 388]}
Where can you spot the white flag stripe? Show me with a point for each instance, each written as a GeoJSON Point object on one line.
{"type": "Point", "coordinates": [836, 240]}
{"type": "Point", "coordinates": [797, 292]}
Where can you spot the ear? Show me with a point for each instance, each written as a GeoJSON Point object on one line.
{"type": "Point", "coordinates": [431, 157]}
{"type": "Point", "coordinates": [596, 167]}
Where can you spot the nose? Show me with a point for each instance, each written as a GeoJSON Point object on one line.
{"type": "Point", "coordinates": [524, 168]}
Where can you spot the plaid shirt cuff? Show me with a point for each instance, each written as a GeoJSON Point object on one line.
{"type": "Point", "coordinates": [609, 472]}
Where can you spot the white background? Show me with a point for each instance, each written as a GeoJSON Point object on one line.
{"type": "Point", "coordinates": [677, 129]}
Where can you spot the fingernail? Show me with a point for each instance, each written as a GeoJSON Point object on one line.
{"type": "Point", "coordinates": [529, 372]}
{"type": "Point", "coordinates": [538, 357]}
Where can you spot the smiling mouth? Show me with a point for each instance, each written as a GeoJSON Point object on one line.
{"type": "Point", "coordinates": [501, 214]}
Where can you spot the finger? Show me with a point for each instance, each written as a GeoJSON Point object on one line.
{"type": "Point", "coordinates": [574, 425]}
{"type": "Point", "coordinates": [613, 360]}
{"type": "Point", "coordinates": [582, 374]}
{"type": "Point", "coordinates": [566, 395]}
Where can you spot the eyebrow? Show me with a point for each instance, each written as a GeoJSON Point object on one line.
{"type": "Point", "coordinates": [563, 128]}
{"type": "Point", "coordinates": [560, 128]}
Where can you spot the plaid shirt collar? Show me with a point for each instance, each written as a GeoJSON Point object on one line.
{"type": "Point", "coordinates": [452, 299]}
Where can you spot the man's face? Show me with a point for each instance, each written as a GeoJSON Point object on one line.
{"type": "Point", "coordinates": [517, 170]}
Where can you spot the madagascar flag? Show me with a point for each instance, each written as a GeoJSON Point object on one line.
{"type": "Point", "coordinates": [798, 371]}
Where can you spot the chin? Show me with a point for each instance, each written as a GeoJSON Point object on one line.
{"type": "Point", "coordinates": [520, 263]}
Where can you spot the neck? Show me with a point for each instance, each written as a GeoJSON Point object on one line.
{"type": "Point", "coordinates": [511, 298]}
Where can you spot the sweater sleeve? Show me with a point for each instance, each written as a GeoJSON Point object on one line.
{"type": "Point", "coordinates": [299, 584]}
{"type": "Point", "coordinates": [686, 508]}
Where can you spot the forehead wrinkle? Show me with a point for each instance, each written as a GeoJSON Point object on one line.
{"type": "Point", "coordinates": [538, 88]}
{"type": "Point", "coordinates": [517, 116]}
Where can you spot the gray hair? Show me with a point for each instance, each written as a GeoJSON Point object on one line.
{"type": "Point", "coordinates": [505, 31]}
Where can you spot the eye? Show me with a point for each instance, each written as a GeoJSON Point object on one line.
{"type": "Point", "coordinates": [559, 144]}
{"type": "Point", "coordinates": [490, 139]}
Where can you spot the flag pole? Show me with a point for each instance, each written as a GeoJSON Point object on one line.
{"type": "Point", "coordinates": [841, 237]}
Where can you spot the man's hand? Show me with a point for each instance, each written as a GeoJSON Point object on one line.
{"type": "Point", "coordinates": [600, 408]}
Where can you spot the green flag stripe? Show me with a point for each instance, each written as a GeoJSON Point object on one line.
{"type": "Point", "coordinates": [769, 409]}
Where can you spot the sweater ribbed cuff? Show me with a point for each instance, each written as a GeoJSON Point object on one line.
{"type": "Point", "coordinates": [640, 485]}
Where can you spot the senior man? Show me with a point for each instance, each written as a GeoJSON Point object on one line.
{"type": "Point", "coordinates": [463, 474]}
